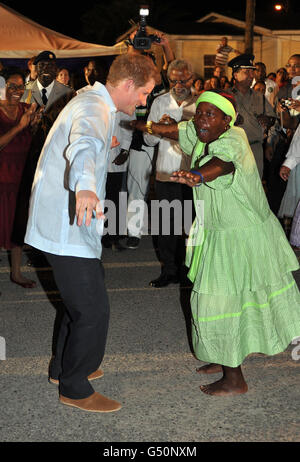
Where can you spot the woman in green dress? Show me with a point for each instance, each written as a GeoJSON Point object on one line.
{"type": "Point", "coordinates": [244, 298]}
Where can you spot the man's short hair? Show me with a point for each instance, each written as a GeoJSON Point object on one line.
{"type": "Point", "coordinates": [259, 63]}
{"type": "Point", "coordinates": [136, 67]}
{"type": "Point", "coordinates": [179, 65]}
{"type": "Point", "coordinates": [295, 56]}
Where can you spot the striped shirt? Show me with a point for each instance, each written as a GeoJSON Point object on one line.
{"type": "Point", "coordinates": [222, 55]}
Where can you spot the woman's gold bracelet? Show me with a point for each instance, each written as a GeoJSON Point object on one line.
{"type": "Point", "coordinates": [149, 127]}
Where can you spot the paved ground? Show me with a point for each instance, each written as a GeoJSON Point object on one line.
{"type": "Point", "coordinates": [148, 367]}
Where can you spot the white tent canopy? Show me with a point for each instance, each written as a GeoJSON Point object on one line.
{"type": "Point", "coordinates": [22, 38]}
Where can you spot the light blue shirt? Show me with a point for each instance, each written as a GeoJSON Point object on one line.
{"type": "Point", "coordinates": [74, 158]}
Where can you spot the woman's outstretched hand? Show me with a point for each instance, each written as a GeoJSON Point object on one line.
{"type": "Point", "coordinates": [184, 177]}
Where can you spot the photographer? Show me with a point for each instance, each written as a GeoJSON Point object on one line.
{"type": "Point", "coordinates": [288, 109]}
{"type": "Point", "coordinates": [140, 155]}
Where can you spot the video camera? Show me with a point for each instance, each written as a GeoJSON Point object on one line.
{"type": "Point", "coordinates": [142, 41]}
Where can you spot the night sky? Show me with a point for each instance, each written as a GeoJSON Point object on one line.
{"type": "Point", "coordinates": [65, 16]}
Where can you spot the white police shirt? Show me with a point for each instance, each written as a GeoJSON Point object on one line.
{"type": "Point", "coordinates": [271, 90]}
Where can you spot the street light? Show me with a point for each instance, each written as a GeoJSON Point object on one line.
{"type": "Point", "coordinates": [282, 6]}
{"type": "Point", "coordinates": [278, 7]}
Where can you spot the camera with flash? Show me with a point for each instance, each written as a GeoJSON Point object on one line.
{"type": "Point", "coordinates": [142, 41]}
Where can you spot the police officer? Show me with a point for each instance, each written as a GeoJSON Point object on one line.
{"type": "Point", "coordinates": [257, 115]}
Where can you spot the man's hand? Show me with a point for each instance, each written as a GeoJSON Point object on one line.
{"type": "Point", "coordinates": [295, 104]}
{"type": "Point", "coordinates": [266, 121]}
{"type": "Point", "coordinates": [164, 41]}
{"type": "Point", "coordinates": [280, 108]}
{"type": "Point", "coordinates": [166, 119]}
{"type": "Point", "coordinates": [87, 201]}
{"type": "Point", "coordinates": [284, 172]}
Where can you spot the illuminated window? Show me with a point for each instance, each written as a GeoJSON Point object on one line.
{"type": "Point", "coordinates": [209, 65]}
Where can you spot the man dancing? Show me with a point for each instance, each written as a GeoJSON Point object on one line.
{"type": "Point", "coordinates": [66, 222]}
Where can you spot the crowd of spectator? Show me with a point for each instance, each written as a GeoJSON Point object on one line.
{"type": "Point", "coordinates": [268, 111]}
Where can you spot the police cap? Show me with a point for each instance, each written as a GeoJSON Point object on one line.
{"type": "Point", "coordinates": [44, 56]}
{"type": "Point", "coordinates": [243, 61]}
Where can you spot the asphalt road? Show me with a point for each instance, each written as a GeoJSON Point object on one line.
{"type": "Point", "coordinates": [149, 367]}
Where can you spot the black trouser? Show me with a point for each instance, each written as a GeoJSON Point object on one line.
{"type": "Point", "coordinates": [114, 186]}
{"type": "Point", "coordinates": [276, 186]}
{"type": "Point", "coordinates": [82, 336]}
{"type": "Point", "coordinates": [171, 247]}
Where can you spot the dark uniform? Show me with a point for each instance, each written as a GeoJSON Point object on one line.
{"type": "Point", "coordinates": [249, 107]}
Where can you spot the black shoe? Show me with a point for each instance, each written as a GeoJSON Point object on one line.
{"type": "Point", "coordinates": [164, 280]}
{"type": "Point", "coordinates": [132, 242]}
{"type": "Point", "coordinates": [117, 247]}
{"type": "Point", "coordinates": [106, 242]}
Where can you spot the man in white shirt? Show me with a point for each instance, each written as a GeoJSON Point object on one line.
{"type": "Point", "coordinates": [290, 173]}
{"type": "Point", "coordinates": [66, 222]}
{"type": "Point", "coordinates": [178, 104]}
{"type": "Point", "coordinates": [292, 156]}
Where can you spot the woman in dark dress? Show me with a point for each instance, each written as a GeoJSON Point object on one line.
{"type": "Point", "coordinates": [15, 138]}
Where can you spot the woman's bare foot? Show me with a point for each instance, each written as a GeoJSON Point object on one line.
{"type": "Point", "coordinates": [210, 369]}
{"type": "Point", "coordinates": [223, 388]}
{"type": "Point", "coordinates": [232, 383]}
{"type": "Point", "coordinates": [23, 282]}
{"type": "Point", "coordinates": [16, 276]}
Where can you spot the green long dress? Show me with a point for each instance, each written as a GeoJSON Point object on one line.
{"type": "Point", "coordinates": [244, 298]}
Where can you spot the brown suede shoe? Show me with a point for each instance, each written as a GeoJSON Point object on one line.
{"type": "Point", "coordinates": [93, 376]}
{"type": "Point", "coordinates": [94, 403]}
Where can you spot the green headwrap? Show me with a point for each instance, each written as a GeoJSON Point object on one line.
{"type": "Point", "coordinates": [220, 102]}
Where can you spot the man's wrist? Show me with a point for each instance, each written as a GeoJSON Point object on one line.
{"type": "Point", "coordinates": [85, 185]}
